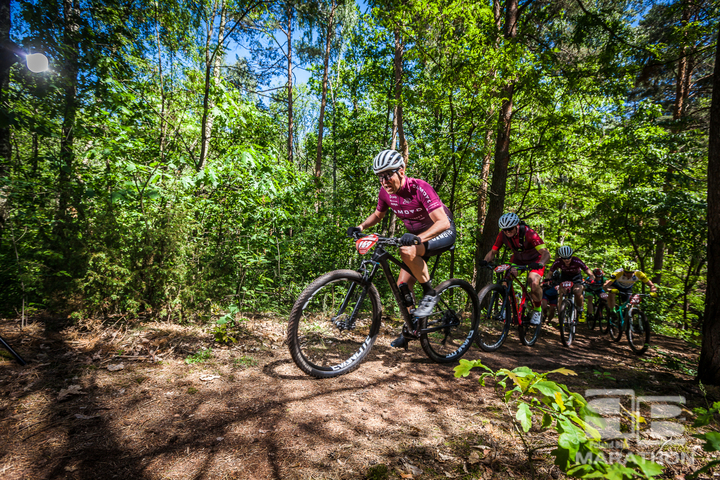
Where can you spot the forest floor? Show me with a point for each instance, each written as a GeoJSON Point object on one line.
{"type": "Point", "coordinates": [150, 400]}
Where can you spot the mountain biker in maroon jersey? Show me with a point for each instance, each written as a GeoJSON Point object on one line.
{"type": "Point", "coordinates": [572, 269]}
{"type": "Point", "coordinates": [430, 225]}
{"type": "Point", "coordinates": [528, 249]}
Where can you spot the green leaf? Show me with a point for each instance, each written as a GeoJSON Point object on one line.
{"type": "Point", "coordinates": [647, 467]}
{"type": "Point", "coordinates": [547, 388]}
{"type": "Point", "coordinates": [524, 416]}
{"type": "Point", "coordinates": [546, 420]}
{"type": "Point", "coordinates": [712, 441]}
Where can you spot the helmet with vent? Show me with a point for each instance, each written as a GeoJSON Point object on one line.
{"type": "Point", "coordinates": [508, 220]}
{"type": "Point", "coordinates": [565, 251]}
{"type": "Point", "coordinates": [387, 160]}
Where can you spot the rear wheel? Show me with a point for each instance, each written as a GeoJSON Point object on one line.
{"type": "Point", "coordinates": [528, 332]}
{"type": "Point", "coordinates": [334, 324]}
{"type": "Point", "coordinates": [592, 319]}
{"type": "Point", "coordinates": [448, 332]}
{"type": "Point", "coordinates": [495, 315]}
{"type": "Point", "coordinates": [638, 332]}
{"type": "Point", "coordinates": [567, 319]}
{"type": "Point", "coordinates": [602, 317]}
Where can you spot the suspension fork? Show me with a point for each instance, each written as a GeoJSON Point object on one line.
{"type": "Point", "coordinates": [367, 281]}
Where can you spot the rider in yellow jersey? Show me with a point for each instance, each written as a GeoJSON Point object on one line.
{"type": "Point", "coordinates": [623, 280]}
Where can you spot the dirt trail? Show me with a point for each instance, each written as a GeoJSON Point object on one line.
{"type": "Point", "coordinates": [247, 411]}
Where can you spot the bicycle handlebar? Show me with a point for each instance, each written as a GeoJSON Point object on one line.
{"type": "Point", "coordinates": [651, 294]}
{"type": "Point", "coordinates": [392, 241]}
{"type": "Point", "coordinates": [516, 267]}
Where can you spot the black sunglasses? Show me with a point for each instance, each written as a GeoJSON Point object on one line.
{"type": "Point", "coordinates": [509, 229]}
{"type": "Point", "coordinates": [383, 177]}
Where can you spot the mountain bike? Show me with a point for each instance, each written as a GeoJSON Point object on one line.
{"type": "Point", "coordinates": [336, 319]}
{"type": "Point", "coordinates": [601, 310]}
{"type": "Point", "coordinates": [627, 317]}
{"type": "Point", "coordinates": [501, 306]}
{"type": "Point", "coordinates": [567, 313]}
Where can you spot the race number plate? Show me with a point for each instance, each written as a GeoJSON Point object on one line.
{"type": "Point", "coordinates": [567, 284]}
{"type": "Point", "coordinates": [364, 244]}
{"type": "Point", "coordinates": [603, 295]}
{"type": "Point", "coordinates": [502, 268]}
{"type": "Point", "coordinates": [635, 300]}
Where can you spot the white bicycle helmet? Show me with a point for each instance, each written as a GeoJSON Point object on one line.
{"type": "Point", "coordinates": [387, 160]}
{"type": "Point", "coordinates": [565, 251]}
{"type": "Point", "coordinates": [508, 220]}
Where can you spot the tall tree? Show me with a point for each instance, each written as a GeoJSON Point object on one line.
{"type": "Point", "coordinates": [502, 145]}
{"type": "Point", "coordinates": [328, 34]}
{"type": "Point", "coordinates": [709, 367]}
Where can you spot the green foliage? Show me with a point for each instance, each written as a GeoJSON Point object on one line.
{"type": "Point", "coordinates": [125, 217]}
{"type": "Point", "coordinates": [199, 357]}
{"type": "Point", "coordinates": [550, 405]}
{"type": "Point", "coordinates": [712, 438]}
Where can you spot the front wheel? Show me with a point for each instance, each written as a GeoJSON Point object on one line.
{"type": "Point", "coordinates": [448, 332]}
{"type": "Point", "coordinates": [496, 313]}
{"type": "Point", "coordinates": [334, 324]}
{"type": "Point", "coordinates": [615, 325]}
{"type": "Point", "coordinates": [638, 332]}
{"type": "Point", "coordinates": [567, 322]}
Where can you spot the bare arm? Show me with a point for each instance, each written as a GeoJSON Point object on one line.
{"type": "Point", "coordinates": [373, 219]}
{"type": "Point", "coordinates": [544, 256]}
{"type": "Point", "coordinates": [440, 224]}
{"type": "Point", "coordinates": [590, 275]}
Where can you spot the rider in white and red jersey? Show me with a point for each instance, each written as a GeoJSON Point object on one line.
{"type": "Point", "coordinates": [429, 222]}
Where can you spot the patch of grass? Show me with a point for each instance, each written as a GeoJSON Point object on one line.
{"type": "Point", "coordinates": [192, 390]}
{"type": "Point", "coordinates": [199, 357]}
{"type": "Point", "coordinates": [603, 375]}
{"type": "Point", "coordinates": [244, 362]}
{"type": "Point", "coordinates": [140, 379]}
{"type": "Point", "coordinates": [378, 472]}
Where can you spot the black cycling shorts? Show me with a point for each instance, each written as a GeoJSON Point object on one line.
{"type": "Point", "coordinates": [571, 277]}
{"type": "Point", "coordinates": [437, 245]}
{"type": "Point", "coordinates": [624, 293]}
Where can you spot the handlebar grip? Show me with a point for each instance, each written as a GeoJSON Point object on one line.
{"type": "Point", "coordinates": [653, 294]}
{"type": "Point", "coordinates": [614, 290]}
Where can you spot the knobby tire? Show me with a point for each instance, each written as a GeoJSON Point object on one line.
{"type": "Point", "coordinates": [318, 346]}
{"type": "Point", "coordinates": [638, 332]}
{"type": "Point", "coordinates": [567, 323]}
{"type": "Point", "coordinates": [448, 333]}
{"type": "Point", "coordinates": [494, 317]}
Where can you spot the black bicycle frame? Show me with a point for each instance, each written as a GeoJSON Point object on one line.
{"type": "Point", "coordinates": [380, 257]}
{"type": "Point", "coordinates": [17, 356]}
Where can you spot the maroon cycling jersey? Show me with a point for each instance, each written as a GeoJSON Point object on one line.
{"type": "Point", "coordinates": [528, 252]}
{"type": "Point", "coordinates": [412, 203]}
{"type": "Point", "coordinates": [576, 266]}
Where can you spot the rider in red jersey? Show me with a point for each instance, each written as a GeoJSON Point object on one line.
{"type": "Point", "coordinates": [528, 249]}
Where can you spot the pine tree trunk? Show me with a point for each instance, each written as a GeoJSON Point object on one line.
{"type": "Point", "coordinates": [323, 101]}
{"type": "Point", "coordinates": [70, 70]}
{"type": "Point", "coordinates": [5, 145]}
{"type": "Point", "coordinates": [289, 11]}
{"type": "Point", "coordinates": [709, 367]}
{"type": "Point", "coordinates": [398, 120]}
{"type": "Point", "coordinates": [502, 153]}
